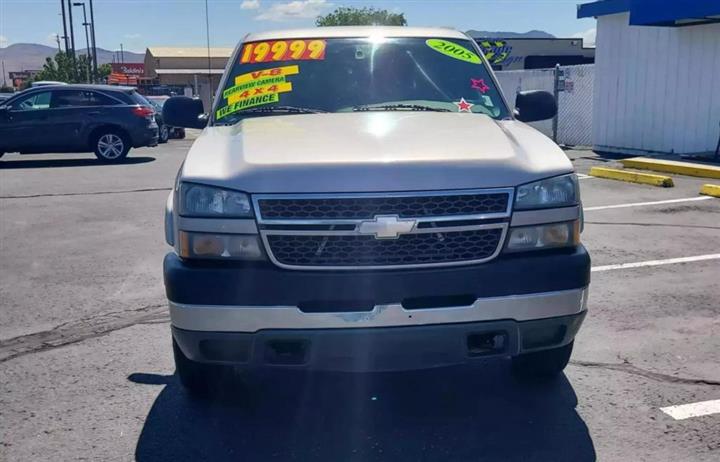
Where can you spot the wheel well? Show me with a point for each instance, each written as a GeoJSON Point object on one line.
{"type": "Point", "coordinates": [95, 133]}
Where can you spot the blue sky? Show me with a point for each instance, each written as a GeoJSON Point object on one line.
{"type": "Point", "coordinates": [142, 23]}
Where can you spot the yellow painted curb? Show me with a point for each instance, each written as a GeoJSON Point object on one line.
{"type": "Point", "coordinates": [710, 190]}
{"type": "Point", "coordinates": [672, 166]}
{"type": "Point", "coordinates": [632, 177]}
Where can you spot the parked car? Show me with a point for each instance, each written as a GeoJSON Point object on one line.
{"type": "Point", "coordinates": [364, 199]}
{"type": "Point", "coordinates": [5, 97]}
{"type": "Point", "coordinates": [103, 119]}
{"type": "Point", "coordinates": [166, 132]}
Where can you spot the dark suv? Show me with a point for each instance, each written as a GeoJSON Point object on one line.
{"type": "Point", "coordinates": [103, 119]}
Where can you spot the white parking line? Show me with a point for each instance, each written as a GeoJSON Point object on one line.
{"type": "Point", "coordinates": [669, 261]}
{"type": "Point", "coordinates": [582, 176]}
{"type": "Point", "coordinates": [638, 204]}
{"type": "Point", "coordinates": [685, 411]}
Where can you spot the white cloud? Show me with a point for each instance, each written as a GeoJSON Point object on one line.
{"type": "Point", "coordinates": [4, 41]}
{"type": "Point", "coordinates": [297, 9]}
{"type": "Point", "coordinates": [588, 37]}
{"type": "Point", "coordinates": [250, 5]}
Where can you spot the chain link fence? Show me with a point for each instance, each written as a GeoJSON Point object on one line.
{"type": "Point", "coordinates": [574, 98]}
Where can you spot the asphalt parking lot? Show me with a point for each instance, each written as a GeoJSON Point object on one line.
{"type": "Point", "coordinates": [86, 369]}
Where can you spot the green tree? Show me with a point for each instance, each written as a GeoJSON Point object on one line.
{"type": "Point", "coordinates": [349, 16]}
{"type": "Point", "coordinates": [103, 71]}
{"type": "Point", "coordinates": [60, 68]}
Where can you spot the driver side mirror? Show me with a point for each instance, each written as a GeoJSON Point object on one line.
{"type": "Point", "coordinates": [181, 111]}
{"type": "Point", "coordinates": [534, 105]}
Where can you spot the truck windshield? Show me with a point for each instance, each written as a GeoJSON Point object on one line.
{"type": "Point", "coordinates": [357, 74]}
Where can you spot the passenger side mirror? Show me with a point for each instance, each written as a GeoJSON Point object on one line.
{"type": "Point", "coordinates": [181, 111]}
{"type": "Point", "coordinates": [534, 105]}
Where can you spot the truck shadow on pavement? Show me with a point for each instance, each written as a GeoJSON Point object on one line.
{"type": "Point", "coordinates": [450, 414]}
{"type": "Point", "coordinates": [53, 163]}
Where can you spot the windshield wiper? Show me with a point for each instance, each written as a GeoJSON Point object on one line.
{"type": "Point", "coordinates": [283, 109]}
{"type": "Point", "coordinates": [399, 107]}
{"type": "Point", "coordinates": [233, 118]}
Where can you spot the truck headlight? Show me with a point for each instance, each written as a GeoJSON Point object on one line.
{"type": "Point", "coordinates": [541, 237]}
{"type": "Point", "coordinates": [559, 191]}
{"type": "Point", "coordinates": [197, 200]}
{"type": "Point", "coordinates": [219, 246]}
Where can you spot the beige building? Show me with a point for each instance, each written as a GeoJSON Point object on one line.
{"type": "Point", "coordinates": [187, 68]}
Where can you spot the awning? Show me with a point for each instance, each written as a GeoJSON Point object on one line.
{"type": "Point", "coordinates": [189, 71]}
{"type": "Point", "coordinates": [656, 13]}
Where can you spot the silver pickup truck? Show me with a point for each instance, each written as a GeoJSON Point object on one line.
{"type": "Point", "coordinates": [363, 199]}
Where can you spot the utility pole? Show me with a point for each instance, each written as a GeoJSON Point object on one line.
{"type": "Point", "coordinates": [3, 71]}
{"type": "Point", "coordinates": [122, 54]}
{"type": "Point", "coordinates": [57, 39]}
{"type": "Point", "coordinates": [65, 35]}
{"type": "Point", "coordinates": [87, 39]}
{"type": "Point", "coordinates": [72, 39]}
{"type": "Point", "coordinates": [94, 46]}
{"type": "Point", "coordinates": [207, 37]}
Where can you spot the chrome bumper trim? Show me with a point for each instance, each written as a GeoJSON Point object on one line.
{"type": "Point", "coordinates": [223, 318]}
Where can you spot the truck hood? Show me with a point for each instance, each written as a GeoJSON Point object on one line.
{"type": "Point", "coordinates": [372, 152]}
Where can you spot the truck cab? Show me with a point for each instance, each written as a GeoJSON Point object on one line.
{"type": "Point", "coordinates": [364, 199]}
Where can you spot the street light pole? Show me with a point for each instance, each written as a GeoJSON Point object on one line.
{"type": "Point", "coordinates": [65, 35]}
{"type": "Point", "coordinates": [87, 40]}
{"type": "Point", "coordinates": [209, 61]}
{"type": "Point", "coordinates": [94, 46]}
{"type": "Point", "coordinates": [72, 39]}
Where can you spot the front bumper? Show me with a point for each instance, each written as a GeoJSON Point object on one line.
{"type": "Point", "coordinates": [146, 137]}
{"type": "Point", "coordinates": [377, 349]}
{"type": "Point", "coordinates": [258, 315]}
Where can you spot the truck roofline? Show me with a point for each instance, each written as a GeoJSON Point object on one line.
{"type": "Point", "coordinates": [357, 31]}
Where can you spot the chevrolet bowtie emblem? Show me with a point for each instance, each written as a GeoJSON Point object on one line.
{"type": "Point", "coordinates": [386, 227]}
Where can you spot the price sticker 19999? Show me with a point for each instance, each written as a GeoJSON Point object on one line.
{"type": "Point", "coordinates": [282, 50]}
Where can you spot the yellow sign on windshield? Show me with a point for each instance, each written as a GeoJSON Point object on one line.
{"type": "Point", "coordinates": [453, 50]}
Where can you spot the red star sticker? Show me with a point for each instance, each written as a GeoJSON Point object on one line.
{"type": "Point", "coordinates": [464, 106]}
{"type": "Point", "coordinates": [479, 84]}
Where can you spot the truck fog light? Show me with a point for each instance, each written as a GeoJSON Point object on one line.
{"type": "Point", "coordinates": [524, 237]}
{"type": "Point", "coordinates": [219, 246]}
{"type": "Point", "coordinates": [244, 247]}
{"type": "Point", "coordinates": [207, 245]}
{"type": "Point", "coordinates": [543, 236]}
{"type": "Point", "coordinates": [556, 234]}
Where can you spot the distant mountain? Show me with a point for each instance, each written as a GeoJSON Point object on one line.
{"type": "Point", "coordinates": [500, 34]}
{"type": "Point", "coordinates": [30, 56]}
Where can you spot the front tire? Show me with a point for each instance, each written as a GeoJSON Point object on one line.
{"type": "Point", "coordinates": [542, 365]}
{"type": "Point", "coordinates": [111, 146]}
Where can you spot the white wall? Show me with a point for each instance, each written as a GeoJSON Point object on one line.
{"type": "Point", "coordinates": [657, 89]}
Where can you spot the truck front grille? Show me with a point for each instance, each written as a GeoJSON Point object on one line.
{"type": "Point", "coordinates": [363, 231]}
{"type": "Point", "coordinates": [408, 249]}
{"type": "Point", "coordinates": [363, 208]}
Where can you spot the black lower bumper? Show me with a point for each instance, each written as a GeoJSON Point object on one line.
{"type": "Point", "coordinates": [145, 137]}
{"type": "Point", "coordinates": [377, 349]}
{"type": "Point", "coordinates": [267, 285]}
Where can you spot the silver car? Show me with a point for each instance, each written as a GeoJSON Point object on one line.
{"type": "Point", "coordinates": [363, 199]}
